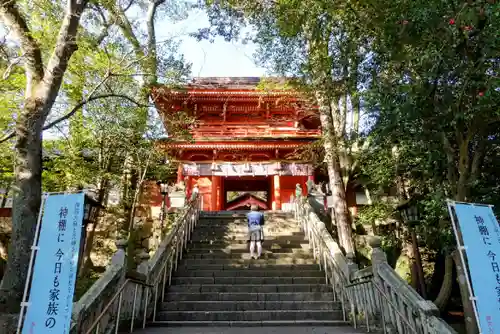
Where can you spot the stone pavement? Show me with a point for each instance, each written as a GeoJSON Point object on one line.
{"type": "Point", "coordinates": [250, 330]}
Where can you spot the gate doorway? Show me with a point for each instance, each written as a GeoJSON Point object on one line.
{"type": "Point", "coordinates": [242, 192]}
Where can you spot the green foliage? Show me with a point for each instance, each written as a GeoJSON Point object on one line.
{"type": "Point", "coordinates": [92, 144]}
{"type": "Point", "coordinates": [433, 98]}
{"type": "Point", "coordinates": [6, 167]}
{"type": "Point", "coordinates": [379, 212]}
{"type": "Point", "coordinates": [425, 72]}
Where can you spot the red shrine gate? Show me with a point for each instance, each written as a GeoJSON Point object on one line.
{"type": "Point", "coordinates": [245, 140]}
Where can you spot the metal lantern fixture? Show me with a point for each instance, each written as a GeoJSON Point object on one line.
{"type": "Point", "coordinates": [163, 191]}
{"type": "Point", "coordinates": [163, 187]}
{"type": "Point", "coordinates": [410, 212]}
{"type": "Point", "coordinates": [213, 168]}
{"type": "Point", "coordinates": [91, 209]}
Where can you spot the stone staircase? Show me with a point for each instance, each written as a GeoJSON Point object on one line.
{"type": "Point", "coordinates": [217, 284]}
{"type": "Point", "coordinates": [217, 289]}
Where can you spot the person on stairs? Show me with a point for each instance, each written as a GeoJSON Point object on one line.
{"type": "Point", "coordinates": [255, 230]}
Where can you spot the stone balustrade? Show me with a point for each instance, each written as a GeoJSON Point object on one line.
{"type": "Point", "coordinates": [126, 300]}
{"type": "Point", "coordinates": [374, 297]}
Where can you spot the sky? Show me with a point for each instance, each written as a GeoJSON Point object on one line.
{"type": "Point", "coordinates": [217, 59]}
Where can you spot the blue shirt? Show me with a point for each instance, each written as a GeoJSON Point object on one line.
{"type": "Point", "coordinates": [255, 220]}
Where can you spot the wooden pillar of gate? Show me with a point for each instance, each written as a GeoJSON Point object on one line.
{"type": "Point", "coordinates": [215, 193]}
{"type": "Point", "coordinates": [277, 193]}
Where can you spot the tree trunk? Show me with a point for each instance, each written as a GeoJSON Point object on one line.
{"type": "Point", "coordinates": [89, 240]}
{"type": "Point", "coordinates": [42, 87]}
{"type": "Point", "coordinates": [403, 264]}
{"type": "Point", "coordinates": [418, 264]}
{"type": "Point", "coordinates": [462, 188]}
{"type": "Point", "coordinates": [469, 315]}
{"type": "Point", "coordinates": [343, 219]}
{"type": "Point", "coordinates": [26, 205]}
{"type": "Point", "coordinates": [126, 191]}
{"type": "Point", "coordinates": [410, 252]}
{"type": "Point", "coordinates": [446, 287]}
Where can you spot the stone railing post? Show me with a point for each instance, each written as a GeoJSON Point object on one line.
{"type": "Point", "coordinates": [119, 260]}
{"type": "Point", "coordinates": [120, 256]}
{"type": "Point", "coordinates": [378, 258]}
{"type": "Point", "coordinates": [427, 311]}
{"type": "Point", "coordinates": [352, 266]}
{"type": "Point", "coordinates": [378, 255]}
{"type": "Point", "coordinates": [93, 301]}
{"type": "Point", "coordinates": [143, 268]}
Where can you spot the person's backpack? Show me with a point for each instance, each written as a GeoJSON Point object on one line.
{"type": "Point", "coordinates": [254, 221]}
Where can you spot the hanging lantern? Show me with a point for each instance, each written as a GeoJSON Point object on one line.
{"type": "Point", "coordinates": [214, 167]}
{"type": "Point", "coordinates": [279, 167]}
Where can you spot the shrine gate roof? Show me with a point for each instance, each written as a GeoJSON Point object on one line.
{"type": "Point", "coordinates": [212, 88]}
{"type": "Point", "coordinates": [243, 144]}
{"type": "Point", "coordinates": [228, 83]}
{"type": "Point", "coordinates": [238, 114]}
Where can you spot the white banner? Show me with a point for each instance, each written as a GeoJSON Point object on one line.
{"type": "Point", "coordinates": [54, 273]}
{"type": "Point", "coordinates": [481, 238]}
{"type": "Point", "coordinates": [252, 169]}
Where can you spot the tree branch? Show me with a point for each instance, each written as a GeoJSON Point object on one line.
{"type": "Point", "coordinates": [64, 49]}
{"type": "Point", "coordinates": [90, 99]}
{"type": "Point", "coordinates": [478, 157]}
{"type": "Point", "coordinates": [124, 24]}
{"type": "Point", "coordinates": [151, 46]}
{"type": "Point", "coordinates": [104, 31]}
{"type": "Point", "coordinates": [76, 108]}
{"type": "Point", "coordinates": [33, 63]}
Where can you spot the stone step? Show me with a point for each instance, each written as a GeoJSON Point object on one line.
{"type": "Point", "coordinates": [191, 265]}
{"type": "Point", "coordinates": [249, 272]}
{"type": "Point", "coordinates": [275, 315]}
{"type": "Point", "coordinates": [210, 306]}
{"type": "Point", "coordinates": [223, 237]}
{"type": "Point", "coordinates": [218, 230]}
{"type": "Point", "coordinates": [282, 260]}
{"type": "Point", "coordinates": [232, 213]}
{"type": "Point", "coordinates": [249, 327]}
{"type": "Point", "coordinates": [245, 256]}
{"type": "Point", "coordinates": [223, 240]}
{"type": "Point", "coordinates": [244, 222]}
{"type": "Point", "coordinates": [265, 248]}
{"type": "Point", "coordinates": [243, 218]}
{"type": "Point", "coordinates": [246, 280]}
{"type": "Point", "coordinates": [255, 296]}
{"type": "Point", "coordinates": [241, 248]}
{"type": "Point", "coordinates": [243, 237]}
{"type": "Point", "coordinates": [249, 288]}
{"type": "Point", "coordinates": [243, 244]}
{"type": "Point", "coordinates": [230, 227]}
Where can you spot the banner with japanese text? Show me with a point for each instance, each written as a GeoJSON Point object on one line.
{"type": "Point", "coordinates": [54, 273]}
{"type": "Point", "coordinates": [481, 237]}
